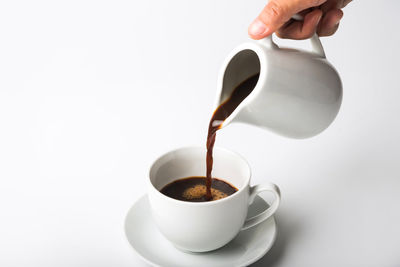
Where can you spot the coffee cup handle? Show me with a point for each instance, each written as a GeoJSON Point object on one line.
{"type": "Point", "coordinates": [255, 190]}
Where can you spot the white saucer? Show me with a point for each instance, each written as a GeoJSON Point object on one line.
{"type": "Point", "coordinates": [247, 247]}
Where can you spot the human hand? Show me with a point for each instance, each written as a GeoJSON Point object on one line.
{"type": "Point", "coordinates": [321, 16]}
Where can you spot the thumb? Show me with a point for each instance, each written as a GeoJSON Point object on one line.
{"type": "Point", "coordinates": [276, 13]}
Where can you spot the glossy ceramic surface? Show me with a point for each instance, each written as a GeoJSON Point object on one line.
{"type": "Point", "coordinates": [298, 93]}
{"type": "Point", "coordinates": [205, 226]}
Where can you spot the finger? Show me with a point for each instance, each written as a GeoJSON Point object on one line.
{"type": "Point", "coordinates": [337, 4]}
{"type": "Point", "coordinates": [328, 5]}
{"type": "Point", "coordinates": [276, 13]}
{"type": "Point", "coordinates": [346, 2]}
{"type": "Point", "coordinates": [299, 30]}
{"type": "Point", "coordinates": [330, 22]}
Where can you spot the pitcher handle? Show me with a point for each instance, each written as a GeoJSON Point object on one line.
{"type": "Point", "coordinates": [268, 42]}
{"type": "Point", "coordinates": [316, 46]}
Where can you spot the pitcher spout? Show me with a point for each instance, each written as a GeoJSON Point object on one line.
{"type": "Point", "coordinates": [237, 82]}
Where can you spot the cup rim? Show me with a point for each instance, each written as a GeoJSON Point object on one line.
{"type": "Point", "coordinates": [206, 203]}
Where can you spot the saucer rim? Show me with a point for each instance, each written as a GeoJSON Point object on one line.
{"type": "Point", "coordinates": [126, 234]}
{"type": "Point", "coordinates": [244, 264]}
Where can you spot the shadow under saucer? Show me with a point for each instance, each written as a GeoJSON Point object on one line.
{"type": "Point", "coordinates": [287, 230]}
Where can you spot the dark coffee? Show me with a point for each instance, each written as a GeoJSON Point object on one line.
{"type": "Point", "coordinates": [193, 189]}
{"type": "Point", "coordinates": [220, 114]}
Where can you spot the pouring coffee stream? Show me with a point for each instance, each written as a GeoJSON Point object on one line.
{"type": "Point", "coordinates": [220, 114]}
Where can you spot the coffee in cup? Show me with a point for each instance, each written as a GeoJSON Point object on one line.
{"type": "Point", "coordinates": [193, 189]}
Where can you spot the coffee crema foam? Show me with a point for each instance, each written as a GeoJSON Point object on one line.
{"type": "Point", "coordinates": [199, 191]}
{"type": "Point", "coordinates": [194, 189]}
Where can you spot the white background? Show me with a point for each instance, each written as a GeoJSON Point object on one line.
{"type": "Point", "coordinates": [92, 91]}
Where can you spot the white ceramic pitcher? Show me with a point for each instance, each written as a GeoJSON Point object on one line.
{"type": "Point", "coordinates": [298, 93]}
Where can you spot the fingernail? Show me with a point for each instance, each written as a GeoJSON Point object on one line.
{"type": "Point", "coordinates": [257, 27]}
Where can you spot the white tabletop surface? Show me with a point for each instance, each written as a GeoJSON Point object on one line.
{"type": "Point", "coordinates": [92, 91]}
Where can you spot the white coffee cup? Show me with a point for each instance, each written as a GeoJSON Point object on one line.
{"type": "Point", "coordinates": [205, 226]}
